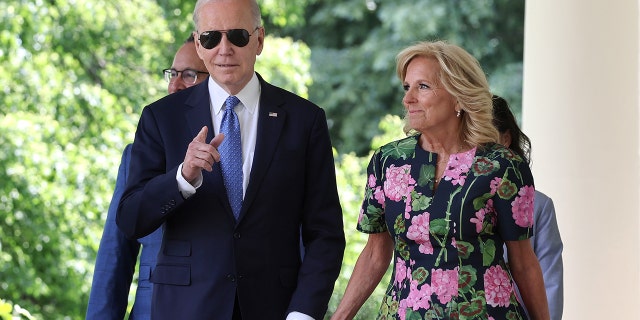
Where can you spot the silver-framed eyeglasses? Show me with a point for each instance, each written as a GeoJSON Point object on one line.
{"type": "Point", "coordinates": [189, 76]}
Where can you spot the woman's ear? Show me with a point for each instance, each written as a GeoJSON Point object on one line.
{"type": "Point", "coordinates": [505, 139]}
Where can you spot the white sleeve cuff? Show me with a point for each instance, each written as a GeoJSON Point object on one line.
{"type": "Point", "coordinates": [298, 316]}
{"type": "Point", "coordinates": [185, 187]}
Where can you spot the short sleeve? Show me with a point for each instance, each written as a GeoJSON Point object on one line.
{"type": "Point", "coordinates": [371, 217]}
{"type": "Point", "coordinates": [513, 198]}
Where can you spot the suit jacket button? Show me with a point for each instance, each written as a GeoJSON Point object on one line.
{"type": "Point", "coordinates": [231, 278]}
{"type": "Point", "coordinates": [236, 235]}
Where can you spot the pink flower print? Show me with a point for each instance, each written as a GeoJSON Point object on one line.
{"type": "Point", "coordinates": [479, 219]}
{"type": "Point", "coordinates": [402, 309]}
{"type": "Point", "coordinates": [522, 207]}
{"type": "Point", "coordinates": [361, 215]}
{"type": "Point", "coordinates": [417, 299]}
{"type": "Point", "coordinates": [378, 194]}
{"type": "Point", "coordinates": [444, 283]}
{"type": "Point", "coordinates": [401, 272]}
{"type": "Point", "coordinates": [495, 183]}
{"type": "Point", "coordinates": [497, 287]}
{"type": "Point", "coordinates": [372, 181]}
{"type": "Point", "coordinates": [399, 182]}
{"type": "Point", "coordinates": [458, 167]}
{"type": "Point", "coordinates": [482, 214]}
{"type": "Point", "coordinates": [419, 232]}
{"type": "Point", "coordinates": [407, 207]}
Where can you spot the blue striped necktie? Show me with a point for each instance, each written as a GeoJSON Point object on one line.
{"type": "Point", "coordinates": [231, 155]}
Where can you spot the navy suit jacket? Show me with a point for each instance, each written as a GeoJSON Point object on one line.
{"type": "Point", "coordinates": [206, 257]}
{"type": "Point", "coordinates": [116, 262]}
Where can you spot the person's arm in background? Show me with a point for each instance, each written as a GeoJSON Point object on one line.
{"type": "Point", "coordinates": [527, 274]}
{"type": "Point", "coordinates": [116, 260]}
{"type": "Point", "coordinates": [547, 246]}
{"type": "Point", "coordinates": [367, 273]}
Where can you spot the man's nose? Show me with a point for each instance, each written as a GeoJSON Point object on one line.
{"type": "Point", "coordinates": [176, 85]}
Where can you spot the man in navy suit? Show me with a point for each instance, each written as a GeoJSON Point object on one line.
{"type": "Point", "coordinates": [117, 255]}
{"type": "Point", "coordinates": [211, 264]}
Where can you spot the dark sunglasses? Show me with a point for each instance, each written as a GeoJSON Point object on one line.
{"type": "Point", "coordinates": [237, 37]}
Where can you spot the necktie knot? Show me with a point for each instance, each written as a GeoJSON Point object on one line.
{"type": "Point", "coordinates": [231, 102]}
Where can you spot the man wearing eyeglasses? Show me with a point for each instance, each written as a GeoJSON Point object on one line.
{"type": "Point", "coordinates": [187, 68]}
{"type": "Point", "coordinates": [230, 246]}
{"type": "Point", "coordinates": [117, 255]}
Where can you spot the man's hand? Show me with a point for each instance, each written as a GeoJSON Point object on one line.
{"type": "Point", "coordinates": [201, 155]}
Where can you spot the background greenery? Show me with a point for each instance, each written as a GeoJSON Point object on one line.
{"type": "Point", "coordinates": [76, 74]}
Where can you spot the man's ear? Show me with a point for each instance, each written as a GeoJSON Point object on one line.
{"type": "Point", "coordinates": [261, 35]}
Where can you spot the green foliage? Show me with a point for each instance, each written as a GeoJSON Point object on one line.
{"type": "Point", "coordinates": [278, 14]}
{"type": "Point", "coordinates": [13, 312]}
{"type": "Point", "coordinates": [5, 310]}
{"type": "Point", "coordinates": [354, 44]}
{"type": "Point", "coordinates": [71, 98]}
{"type": "Point", "coordinates": [50, 204]}
{"type": "Point", "coordinates": [285, 63]}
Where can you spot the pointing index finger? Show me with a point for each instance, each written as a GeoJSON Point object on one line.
{"type": "Point", "coordinates": [202, 135]}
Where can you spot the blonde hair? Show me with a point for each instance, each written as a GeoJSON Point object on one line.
{"type": "Point", "coordinates": [461, 75]}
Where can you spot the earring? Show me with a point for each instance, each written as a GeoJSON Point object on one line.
{"type": "Point", "coordinates": [458, 113]}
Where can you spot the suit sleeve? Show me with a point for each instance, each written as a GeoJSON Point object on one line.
{"type": "Point", "coordinates": [322, 226]}
{"type": "Point", "coordinates": [547, 245]}
{"type": "Point", "coordinates": [152, 190]}
{"type": "Point", "coordinates": [115, 262]}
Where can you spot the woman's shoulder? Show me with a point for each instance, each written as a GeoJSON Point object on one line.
{"type": "Point", "coordinates": [401, 148]}
{"type": "Point", "coordinates": [498, 152]}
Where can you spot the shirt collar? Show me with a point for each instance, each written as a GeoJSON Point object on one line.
{"type": "Point", "coordinates": [249, 95]}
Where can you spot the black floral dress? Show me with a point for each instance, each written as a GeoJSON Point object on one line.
{"type": "Point", "coordinates": [448, 256]}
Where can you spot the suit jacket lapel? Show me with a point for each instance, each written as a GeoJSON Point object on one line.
{"type": "Point", "coordinates": [198, 114]}
{"type": "Point", "coordinates": [271, 120]}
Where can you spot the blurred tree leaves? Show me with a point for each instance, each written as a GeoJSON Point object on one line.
{"type": "Point", "coordinates": [75, 74]}
{"type": "Point", "coordinates": [354, 44]}
{"type": "Point", "coordinates": [285, 63]}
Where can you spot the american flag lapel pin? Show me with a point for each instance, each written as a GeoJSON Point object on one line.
{"type": "Point", "coordinates": [273, 114]}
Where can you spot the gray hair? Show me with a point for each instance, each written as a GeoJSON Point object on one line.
{"type": "Point", "coordinates": [255, 12]}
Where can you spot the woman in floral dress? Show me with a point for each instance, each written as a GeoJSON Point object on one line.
{"type": "Point", "coordinates": [442, 202]}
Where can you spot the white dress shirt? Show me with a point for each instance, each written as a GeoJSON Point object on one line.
{"type": "Point", "coordinates": [247, 111]}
